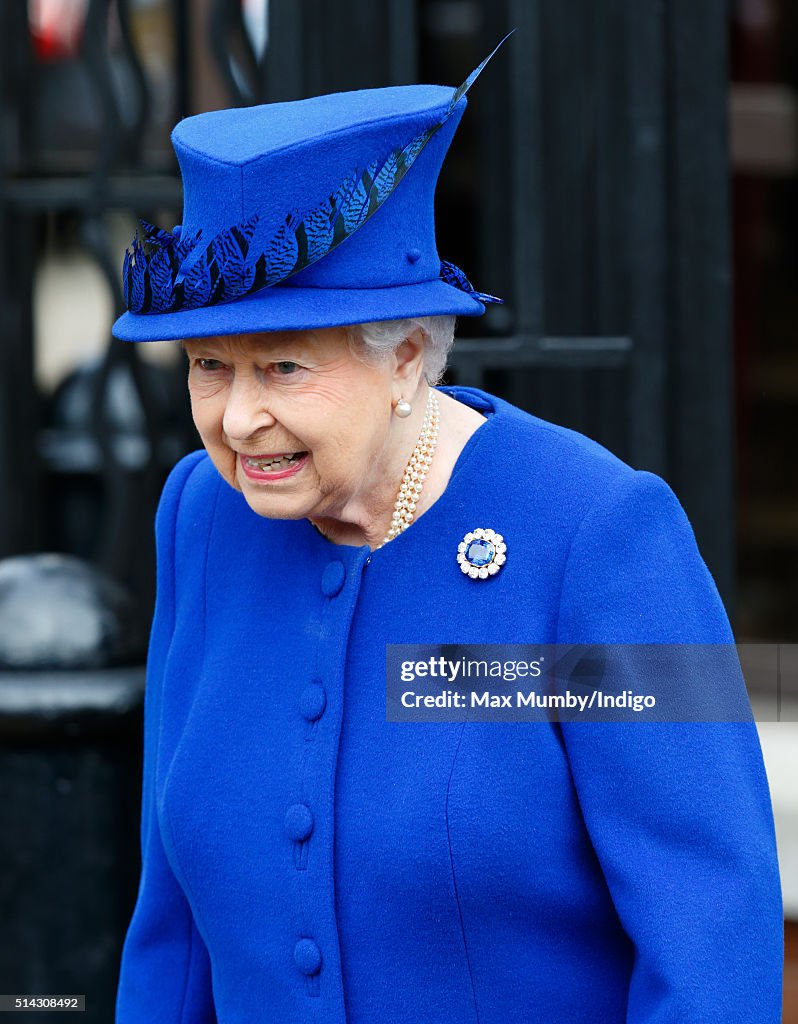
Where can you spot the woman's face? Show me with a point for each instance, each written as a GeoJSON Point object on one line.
{"type": "Point", "coordinates": [298, 421]}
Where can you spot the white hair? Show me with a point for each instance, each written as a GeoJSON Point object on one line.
{"type": "Point", "coordinates": [382, 337]}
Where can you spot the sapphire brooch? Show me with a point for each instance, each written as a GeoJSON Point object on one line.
{"type": "Point", "coordinates": [481, 553]}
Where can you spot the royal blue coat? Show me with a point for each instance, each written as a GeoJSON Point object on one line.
{"type": "Point", "coordinates": [304, 860]}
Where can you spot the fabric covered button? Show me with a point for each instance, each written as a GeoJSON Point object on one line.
{"type": "Point", "coordinates": [298, 821]}
{"type": "Point", "coordinates": [313, 701]}
{"type": "Point", "coordinates": [307, 956]}
{"type": "Point", "coordinates": [333, 579]}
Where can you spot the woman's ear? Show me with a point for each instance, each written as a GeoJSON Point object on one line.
{"type": "Point", "coordinates": [408, 358]}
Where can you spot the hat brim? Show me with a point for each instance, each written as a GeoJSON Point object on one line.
{"type": "Point", "coordinates": [287, 308]}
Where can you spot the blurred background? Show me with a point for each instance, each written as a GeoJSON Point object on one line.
{"type": "Point", "coordinates": [626, 178]}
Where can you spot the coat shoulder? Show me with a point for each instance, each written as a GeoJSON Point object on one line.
{"type": "Point", "coordinates": [187, 502]}
{"type": "Point", "coordinates": [191, 483]}
{"type": "Point", "coordinates": [574, 456]}
{"type": "Point", "coordinates": [554, 469]}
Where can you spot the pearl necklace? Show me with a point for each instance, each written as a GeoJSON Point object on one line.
{"type": "Point", "coordinates": [413, 480]}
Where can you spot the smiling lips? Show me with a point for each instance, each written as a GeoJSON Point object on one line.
{"type": "Point", "coordinates": [272, 467]}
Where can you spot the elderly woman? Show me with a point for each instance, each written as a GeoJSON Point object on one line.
{"type": "Point", "coordinates": [303, 859]}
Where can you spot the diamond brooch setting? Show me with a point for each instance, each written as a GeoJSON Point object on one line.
{"type": "Point", "coordinates": [481, 553]}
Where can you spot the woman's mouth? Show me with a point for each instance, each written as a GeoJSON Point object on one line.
{"type": "Point", "coordinates": [272, 467]}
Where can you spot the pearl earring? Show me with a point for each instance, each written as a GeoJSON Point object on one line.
{"type": "Point", "coordinates": [403, 408]}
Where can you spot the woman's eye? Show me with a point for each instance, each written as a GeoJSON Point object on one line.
{"type": "Point", "coordinates": [208, 364]}
{"type": "Point", "coordinates": [286, 367]}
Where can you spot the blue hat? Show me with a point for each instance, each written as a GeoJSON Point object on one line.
{"type": "Point", "coordinates": [315, 213]}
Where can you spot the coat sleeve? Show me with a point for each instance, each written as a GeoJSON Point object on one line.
{"type": "Point", "coordinates": [165, 968]}
{"type": "Point", "coordinates": [679, 813]}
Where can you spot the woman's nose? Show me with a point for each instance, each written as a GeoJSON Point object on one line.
{"type": "Point", "coordinates": [245, 413]}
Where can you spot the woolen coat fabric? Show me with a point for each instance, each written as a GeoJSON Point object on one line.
{"type": "Point", "coordinates": [304, 860]}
